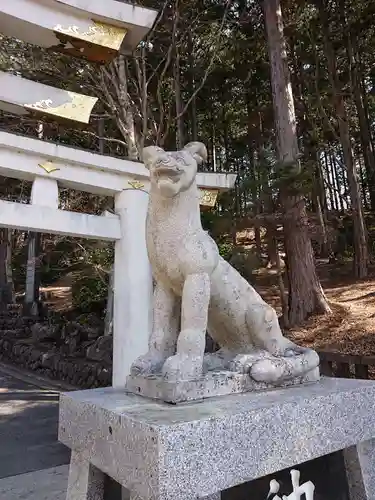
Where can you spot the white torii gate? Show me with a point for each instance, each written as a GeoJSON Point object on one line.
{"type": "Point", "coordinates": [50, 166]}
{"type": "Point", "coordinates": [89, 29]}
{"type": "Point", "coordinates": [97, 31]}
{"type": "Point", "coordinates": [94, 29]}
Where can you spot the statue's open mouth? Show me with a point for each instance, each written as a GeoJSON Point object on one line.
{"type": "Point", "coordinates": [170, 172]}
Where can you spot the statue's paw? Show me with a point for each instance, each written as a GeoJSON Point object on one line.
{"type": "Point", "coordinates": [242, 363]}
{"type": "Point", "coordinates": [269, 370]}
{"type": "Point", "coordinates": [182, 367]}
{"type": "Point", "coordinates": [291, 352]}
{"type": "Point", "coordinates": [152, 362]}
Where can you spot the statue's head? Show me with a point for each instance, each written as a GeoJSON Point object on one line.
{"type": "Point", "coordinates": [173, 172]}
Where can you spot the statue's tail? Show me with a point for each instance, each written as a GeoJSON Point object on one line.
{"type": "Point", "coordinates": [296, 362]}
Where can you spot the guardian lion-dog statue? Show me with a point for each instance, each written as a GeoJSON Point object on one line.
{"type": "Point", "coordinates": [197, 291]}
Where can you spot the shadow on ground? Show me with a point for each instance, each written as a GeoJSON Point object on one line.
{"type": "Point", "coordinates": [28, 428]}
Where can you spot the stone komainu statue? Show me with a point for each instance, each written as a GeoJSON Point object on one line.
{"type": "Point", "coordinates": [198, 291]}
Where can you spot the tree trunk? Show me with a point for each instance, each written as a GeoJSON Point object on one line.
{"type": "Point", "coordinates": [254, 143]}
{"type": "Point", "coordinates": [32, 274]}
{"type": "Point", "coordinates": [365, 134]}
{"type": "Point", "coordinates": [8, 266]}
{"type": "Point", "coordinates": [272, 250]}
{"type": "Point", "coordinates": [332, 199]}
{"type": "Point", "coordinates": [193, 108]}
{"type": "Point", "coordinates": [282, 291]}
{"type": "Point", "coordinates": [320, 202]}
{"type": "Point", "coordinates": [306, 295]}
{"type": "Point", "coordinates": [361, 257]}
{"type": "Point", "coordinates": [6, 282]}
{"type": "Point", "coordinates": [177, 82]}
{"type": "Point", "coordinates": [325, 248]}
{"type": "Point", "coordinates": [108, 320]}
{"type": "Point", "coordinates": [336, 184]}
{"type": "Point", "coordinates": [320, 184]}
{"type": "Point", "coordinates": [363, 183]}
{"type": "Point", "coordinates": [101, 131]}
{"type": "Point", "coordinates": [177, 88]}
{"type": "Point", "coordinates": [125, 118]}
{"type": "Point", "coordinates": [4, 295]}
{"type": "Point", "coordinates": [366, 108]}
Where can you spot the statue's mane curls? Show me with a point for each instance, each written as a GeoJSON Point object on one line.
{"type": "Point", "coordinates": [198, 150]}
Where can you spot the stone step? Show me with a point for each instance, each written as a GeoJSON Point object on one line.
{"type": "Point", "coordinates": [40, 485]}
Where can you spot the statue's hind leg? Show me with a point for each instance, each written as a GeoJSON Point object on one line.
{"type": "Point", "coordinates": [264, 328]}
{"type": "Point", "coordinates": [286, 360]}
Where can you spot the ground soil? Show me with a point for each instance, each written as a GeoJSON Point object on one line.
{"type": "Point", "coordinates": [350, 329]}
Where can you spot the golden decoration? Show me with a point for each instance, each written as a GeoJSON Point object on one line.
{"type": "Point", "coordinates": [48, 167]}
{"type": "Point", "coordinates": [208, 197]}
{"type": "Point", "coordinates": [43, 104]}
{"type": "Point", "coordinates": [98, 34]}
{"type": "Point", "coordinates": [136, 184]}
{"type": "Point", "coordinates": [78, 107]}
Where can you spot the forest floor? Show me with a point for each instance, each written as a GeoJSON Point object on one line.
{"type": "Point", "coordinates": [350, 329]}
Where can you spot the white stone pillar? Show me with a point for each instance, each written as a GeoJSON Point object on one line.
{"type": "Point", "coordinates": [132, 314]}
{"type": "Point", "coordinates": [360, 470]}
{"type": "Point", "coordinates": [85, 482]}
{"type": "Point", "coordinates": [44, 192]}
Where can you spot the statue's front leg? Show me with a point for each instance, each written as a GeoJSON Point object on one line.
{"type": "Point", "coordinates": [187, 363]}
{"type": "Point", "coordinates": [162, 341]}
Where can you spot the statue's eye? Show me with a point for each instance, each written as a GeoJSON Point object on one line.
{"type": "Point", "coordinates": [181, 159]}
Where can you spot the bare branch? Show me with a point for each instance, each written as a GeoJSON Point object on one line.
{"type": "Point", "coordinates": [108, 139]}
{"type": "Point", "coordinates": [210, 65]}
{"type": "Point", "coordinates": [159, 18]}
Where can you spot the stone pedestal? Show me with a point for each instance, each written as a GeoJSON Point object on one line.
{"type": "Point", "coordinates": [360, 469]}
{"type": "Point", "coordinates": [197, 449]}
{"type": "Point", "coordinates": [212, 384]}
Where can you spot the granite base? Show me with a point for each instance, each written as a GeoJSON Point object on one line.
{"type": "Point", "coordinates": [196, 449]}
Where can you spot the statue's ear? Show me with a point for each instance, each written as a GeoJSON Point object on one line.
{"type": "Point", "coordinates": [198, 150]}
{"type": "Point", "coordinates": [149, 153]}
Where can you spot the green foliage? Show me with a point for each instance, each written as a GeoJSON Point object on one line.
{"type": "Point", "coordinates": [91, 272]}
{"type": "Point", "coordinates": [89, 293]}
{"type": "Point", "coordinates": [246, 261]}
{"type": "Point", "coordinates": [226, 250]}
{"type": "Point", "coordinates": [293, 178]}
